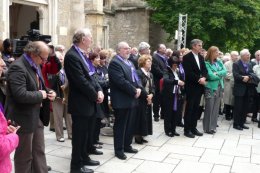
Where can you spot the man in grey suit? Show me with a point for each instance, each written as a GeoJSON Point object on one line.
{"type": "Point", "coordinates": [25, 93]}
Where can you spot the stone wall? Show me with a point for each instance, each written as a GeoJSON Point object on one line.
{"type": "Point", "coordinates": [131, 26]}
{"type": "Point", "coordinates": [71, 16]}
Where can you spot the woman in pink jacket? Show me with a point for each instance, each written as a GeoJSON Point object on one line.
{"type": "Point", "coordinates": [8, 142]}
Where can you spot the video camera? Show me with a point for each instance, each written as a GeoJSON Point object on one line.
{"type": "Point", "coordinates": [32, 35]}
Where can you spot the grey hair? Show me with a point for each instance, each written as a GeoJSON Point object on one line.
{"type": "Point", "coordinates": [33, 47]}
{"type": "Point", "coordinates": [143, 45]}
{"type": "Point", "coordinates": [79, 34]}
{"type": "Point", "coordinates": [195, 42]}
{"type": "Point", "coordinates": [244, 52]}
{"type": "Point", "coordinates": [258, 51]}
{"type": "Point", "coordinates": [120, 45]}
{"type": "Point", "coordinates": [234, 53]}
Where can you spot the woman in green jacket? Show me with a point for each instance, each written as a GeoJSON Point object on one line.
{"type": "Point", "coordinates": [213, 89]}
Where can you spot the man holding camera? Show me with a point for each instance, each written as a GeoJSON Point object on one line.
{"type": "Point", "coordinates": [25, 93]}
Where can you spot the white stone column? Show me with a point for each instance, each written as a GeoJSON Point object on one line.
{"type": "Point", "coordinates": [53, 20]}
{"type": "Point", "coordinates": [4, 19]}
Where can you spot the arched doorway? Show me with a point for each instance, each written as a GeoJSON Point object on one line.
{"type": "Point", "coordinates": [22, 19]}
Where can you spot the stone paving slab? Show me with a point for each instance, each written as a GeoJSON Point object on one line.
{"type": "Point", "coordinates": [227, 151]}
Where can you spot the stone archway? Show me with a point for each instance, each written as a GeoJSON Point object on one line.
{"type": "Point", "coordinates": [22, 19]}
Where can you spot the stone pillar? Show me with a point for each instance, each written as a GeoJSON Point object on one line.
{"type": "Point", "coordinates": [4, 19]}
{"type": "Point", "coordinates": [77, 16]}
{"type": "Point", "coordinates": [94, 20]}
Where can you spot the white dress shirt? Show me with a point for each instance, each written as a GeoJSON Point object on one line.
{"type": "Point", "coordinates": [197, 59]}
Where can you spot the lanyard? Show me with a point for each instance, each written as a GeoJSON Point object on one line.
{"type": "Point", "coordinates": [129, 64]}
{"type": "Point", "coordinates": [91, 72]}
{"type": "Point", "coordinates": [36, 69]}
{"type": "Point", "coordinates": [163, 58]}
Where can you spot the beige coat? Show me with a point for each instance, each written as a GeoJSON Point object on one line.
{"type": "Point", "coordinates": [229, 84]}
{"type": "Point", "coordinates": [256, 70]}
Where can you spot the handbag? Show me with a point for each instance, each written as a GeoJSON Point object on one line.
{"type": "Point", "coordinates": [45, 112]}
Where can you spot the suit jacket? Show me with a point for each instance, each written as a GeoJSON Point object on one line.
{"type": "Point", "coordinates": [24, 99]}
{"type": "Point", "coordinates": [193, 73]}
{"type": "Point", "coordinates": [213, 80]}
{"type": "Point", "coordinates": [158, 69]}
{"type": "Point", "coordinates": [122, 87]}
{"type": "Point", "coordinates": [169, 82]}
{"type": "Point", "coordinates": [243, 88]}
{"type": "Point", "coordinates": [134, 59]}
{"type": "Point", "coordinates": [83, 88]}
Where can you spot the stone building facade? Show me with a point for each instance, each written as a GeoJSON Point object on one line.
{"type": "Point", "coordinates": [111, 21]}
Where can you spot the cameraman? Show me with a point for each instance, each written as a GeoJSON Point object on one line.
{"type": "Point", "coordinates": [49, 70]}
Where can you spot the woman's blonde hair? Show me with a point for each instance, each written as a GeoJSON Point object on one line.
{"type": "Point", "coordinates": [142, 60]}
{"type": "Point", "coordinates": [211, 50]}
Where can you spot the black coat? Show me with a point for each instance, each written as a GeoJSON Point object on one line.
{"type": "Point", "coordinates": [122, 87]}
{"type": "Point", "coordinates": [143, 120]}
{"type": "Point", "coordinates": [158, 69]}
{"type": "Point", "coordinates": [24, 99]}
{"type": "Point", "coordinates": [193, 73]}
{"type": "Point", "coordinates": [83, 88]}
{"type": "Point", "coordinates": [242, 88]}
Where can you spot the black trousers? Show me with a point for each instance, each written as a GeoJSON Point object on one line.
{"type": "Point", "coordinates": [191, 110]}
{"type": "Point", "coordinates": [123, 129]}
{"type": "Point", "coordinates": [96, 131]}
{"type": "Point", "coordinates": [156, 103]}
{"type": "Point", "coordinates": [240, 110]}
{"type": "Point", "coordinates": [256, 105]}
{"type": "Point", "coordinates": [82, 139]}
{"type": "Point", "coordinates": [229, 111]}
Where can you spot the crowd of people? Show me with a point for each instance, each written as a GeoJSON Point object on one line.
{"type": "Point", "coordinates": [84, 85]}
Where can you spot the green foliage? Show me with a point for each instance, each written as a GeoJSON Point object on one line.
{"type": "Point", "coordinates": [228, 24]}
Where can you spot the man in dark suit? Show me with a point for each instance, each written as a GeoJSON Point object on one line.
{"type": "Point", "coordinates": [159, 67]}
{"type": "Point", "coordinates": [195, 79]}
{"type": "Point", "coordinates": [245, 82]}
{"type": "Point", "coordinates": [25, 93]}
{"type": "Point", "coordinates": [125, 89]}
{"type": "Point", "coordinates": [133, 57]}
{"type": "Point", "coordinates": [84, 94]}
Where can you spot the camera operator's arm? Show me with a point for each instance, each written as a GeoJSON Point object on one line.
{"type": "Point", "coordinates": [53, 65]}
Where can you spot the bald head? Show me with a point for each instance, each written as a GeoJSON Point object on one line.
{"type": "Point", "coordinates": [38, 51]}
{"type": "Point", "coordinates": [36, 47]}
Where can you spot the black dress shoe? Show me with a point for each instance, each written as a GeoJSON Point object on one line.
{"type": "Point", "coordinates": [52, 129]}
{"type": "Point", "coordinates": [120, 155]}
{"type": "Point", "coordinates": [197, 133]}
{"type": "Point", "coordinates": [130, 150]}
{"type": "Point", "coordinates": [245, 127]}
{"type": "Point", "coordinates": [213, 131]}
{"type": "Point", "coordinates": [138, 140]}
{"type": "Point", "coordinates": [49, 168]}
{"type": "Point", "coordinates": [96, 152]}
{"type": "Point", "coordinates": [176, 134]}
{"type": "Point", "coordinates": [237, 127]}
{"type": "Point", "coordinates": [209, 132]}
{"type": "Point", "coordinates": [99, 143]}
{"type": "Point", "coordinates": [156, 119]}
{"type": "Point", "coordinates": [180, 124]}
{"type": "Point", "coordinates": [189, 134]}
{"type": "Point", "coordinates": [255, 120]}
{"type": "Point", "coordinates": [91, 163]}
{"type": "Point", "coordinates": [84, 169]}
{"type": "Point", "coordinates": [144, 141]}
{"type": "Point", "coordinates": [170, 134]}
{"type": "Point", "coordinates": [258, 124]}
{"type": "Point", "coordinates": [228, 118]}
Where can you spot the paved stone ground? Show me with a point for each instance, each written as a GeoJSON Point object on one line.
{"type": "Point", "coordinates": [229, 150]}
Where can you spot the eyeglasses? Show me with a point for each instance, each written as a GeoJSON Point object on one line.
{"type": "Point", "coordinates": [126, 48]}
{"type": "Point", "coordinates": [43, 59]}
